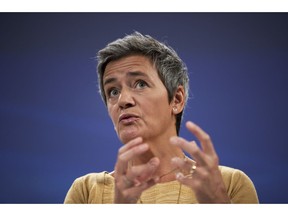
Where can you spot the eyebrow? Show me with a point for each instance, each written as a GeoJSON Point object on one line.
{"type": "Point", "coordinates": [129, 74]}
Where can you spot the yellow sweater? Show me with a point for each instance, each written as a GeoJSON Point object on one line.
{"type": "Point", "coordinates": [99, 188]}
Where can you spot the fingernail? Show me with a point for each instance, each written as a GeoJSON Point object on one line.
{"type": "Point", "coordinates": [137, 183]}
{"type": "Point", "coordinates": [143, 147]}
{"type": "Point", "coordinates": [138, 139]}
{"type": "Point", "coordinates": [153, 162]}
{"type": "Point", "coordinates": [156, 179]}
{"type": "Point", "coordinates": [174, 159]}
{"type": "Point", "coordinates": [174, 140]}
{"type": "Point", "coordinates": [189, 124]}
{"type": "Point", "coordinates": [179, 175]}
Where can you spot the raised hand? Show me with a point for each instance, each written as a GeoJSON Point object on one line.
{"type": "Point", "coordinates": [131, 181]}
{"type": "Point", "coordinates": [202, 174]}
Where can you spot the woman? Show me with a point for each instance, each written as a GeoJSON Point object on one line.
{"type": "Point", "coordinates": [144, 85]}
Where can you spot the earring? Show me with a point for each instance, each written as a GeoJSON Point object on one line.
{"type": "Point", "coordinates": [174, 109]}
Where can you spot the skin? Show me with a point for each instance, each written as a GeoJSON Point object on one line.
{"type": "Point", "coordinates": [144, 121]}
{"type": "Point", "coordinates": [206, 181]}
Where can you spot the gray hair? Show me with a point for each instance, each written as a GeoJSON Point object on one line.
{"type": "Point", "coordinates": [171, 69]}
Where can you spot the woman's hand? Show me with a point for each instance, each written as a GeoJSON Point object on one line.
{"type": "Point", "coordinates": [131, 181]}
{"type": "Point", "coordinates": [204, 176]}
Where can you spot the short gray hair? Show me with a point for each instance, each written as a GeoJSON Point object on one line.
{"type": "Point", "coordinates": [171, 69]}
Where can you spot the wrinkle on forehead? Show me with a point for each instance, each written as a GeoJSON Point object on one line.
{"type": "Point", "coordinates": [128, 64]}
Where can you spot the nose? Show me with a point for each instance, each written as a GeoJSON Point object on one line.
{"type": "Point", "coordinates": [125, 99]}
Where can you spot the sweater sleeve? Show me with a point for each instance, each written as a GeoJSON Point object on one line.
{"type": "Point", "coordinates": [77, 193]}
{"type": "Point", "coordinates": [239, 186]}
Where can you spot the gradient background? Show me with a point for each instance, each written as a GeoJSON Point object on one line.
{"type": "Point", "coordinates": [55, 128]}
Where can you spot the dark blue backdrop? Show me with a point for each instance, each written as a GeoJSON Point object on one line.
{"type": "Point", "coordinates": [54, 126]}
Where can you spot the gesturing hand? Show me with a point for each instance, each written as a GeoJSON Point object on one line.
{"type": "Point", "coordinates": [204, 176]}
{"type": "Point", "coordinates": [131, 181]}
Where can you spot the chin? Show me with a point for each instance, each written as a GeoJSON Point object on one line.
{"type": "Point", "coordinates": [127, 135]}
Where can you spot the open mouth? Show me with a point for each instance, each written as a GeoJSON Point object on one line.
{"type": "Point", "coordinates": [128, 118]}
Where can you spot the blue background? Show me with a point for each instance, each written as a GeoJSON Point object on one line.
{"type": "Point", "coordinates": [55, 128]}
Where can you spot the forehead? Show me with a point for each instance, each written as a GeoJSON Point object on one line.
{"type": "Point", "coordinates": [128, 64]}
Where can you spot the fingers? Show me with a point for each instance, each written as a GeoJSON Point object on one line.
{"type": "Point", "coordinates": [132, 194]}
{"type": "Point", "coordinates": [137, 179]}
{"type": "Point", "coordinates": [202, 136]}
{"type": "Point", "coordinates": [129, 151]}
{"type": "Point", "coordinates": [202, 156]}
{"type": "Point", "coordinates": [190, 147]}
{"type": "Point", "coordinates": [146, 171]}
{"type": "Point", "coordinates": [130, 144]}
{"type": "Point", "coordinates": [195, 179]}
{"type": "Point", "coordinates": [185, 166]}
{"type": "Point", "coordinates": [141, 173]}
{"type": "Point", "coordinates": [137, 175]}
{"type": "Point", "coordinates": [131, 181]}
{"type": "Point", "coordinates": [203, 177]}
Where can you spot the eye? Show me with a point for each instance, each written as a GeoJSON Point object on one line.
{"type": "Point", "coordinates": [141, 84]}
{"type": "Point", "coordinates": [113, 92]}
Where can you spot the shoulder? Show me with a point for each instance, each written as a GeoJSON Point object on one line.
{"type": "Point", "coordinates": [82, 186]}
{"type": "Point", "coordinates": [232, 174]}
{"type": "Point", "coordinates": [239, 186]}
{"type": "Point", "coordinates": [229, 171]}
{"type": "Point", "coordinates": [91, 179]}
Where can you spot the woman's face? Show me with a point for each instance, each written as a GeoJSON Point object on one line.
{"type": "Point", "coordinates": [137, 100]}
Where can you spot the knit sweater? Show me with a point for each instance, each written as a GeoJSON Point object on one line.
{"type": "Point", "coordinates": [99, 188]}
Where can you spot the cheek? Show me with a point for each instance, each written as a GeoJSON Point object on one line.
{"type": "Point", "coordinates": [157, 107]}
{"type": "Point", "coordinates": [112, 114]}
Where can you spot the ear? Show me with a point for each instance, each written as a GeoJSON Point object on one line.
{"type": "Point", "coordinates": [178, 101]}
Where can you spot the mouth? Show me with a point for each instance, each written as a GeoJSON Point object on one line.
{"type": "Point", "coordinates": [127, 118]}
